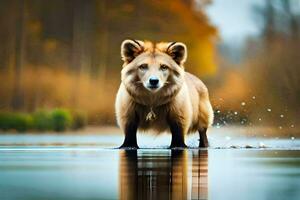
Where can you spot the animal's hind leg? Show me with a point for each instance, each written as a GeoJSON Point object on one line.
{"type": "Point", "coordinates": [203, 142]}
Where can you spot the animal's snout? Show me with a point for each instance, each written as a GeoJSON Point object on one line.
{"type": "Point", "coordinates": [154, 81]}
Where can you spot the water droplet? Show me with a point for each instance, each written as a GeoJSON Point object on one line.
{"type": "Point", "coordinates": [280, 127]}
{"type": "Point", "coordinates": [292, 138]}
{"type": "Point", "coordinates": [281, 116]}
{"type": "Point", "coordinates": [259, 119]}
{"type": "Point", "coordinates": [254, 97]}
{"type": "Point", "coordinates": [243, 103]}
{"type": "Point", "coordinates": [269, 109]}
{"type": "Point", "coordinates": [218, 111]}
{"type": "Point", "coordinates": [292, 126]}
{"type": "Point", "coordinates": [262, 145]}
{"type": "Point", "coordinates": [235, 112]}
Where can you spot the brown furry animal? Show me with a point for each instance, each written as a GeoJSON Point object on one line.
{"type": "Point", "coordinates": [156, 93]}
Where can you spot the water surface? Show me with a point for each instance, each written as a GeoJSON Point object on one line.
{"type": "Point", "coordinates": [87, 167]}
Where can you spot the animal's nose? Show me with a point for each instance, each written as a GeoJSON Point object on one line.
{"type": "Point", "coordinates": [153, 81]}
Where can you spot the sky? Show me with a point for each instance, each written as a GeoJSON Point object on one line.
{"type": "Point", "coordinates": [234, 18]}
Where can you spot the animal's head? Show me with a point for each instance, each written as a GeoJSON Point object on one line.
{"type": "Point", "coordinates": [153, 69]}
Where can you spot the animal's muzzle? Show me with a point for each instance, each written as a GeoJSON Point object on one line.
{"type": "Point", "coordinates": [153, 82]}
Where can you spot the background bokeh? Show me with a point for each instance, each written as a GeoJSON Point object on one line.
{"type": "Point", "coordinates": [60, 59]}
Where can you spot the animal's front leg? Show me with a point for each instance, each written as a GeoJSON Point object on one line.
{"type": "Point", "coordinates": [178, 133]}
{"type": "Point", "coordinates": [130, 130]}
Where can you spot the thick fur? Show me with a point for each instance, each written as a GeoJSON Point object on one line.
{"type": "Point", "coordinates": [181, 104]}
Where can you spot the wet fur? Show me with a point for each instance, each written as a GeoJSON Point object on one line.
{"type": "Point", "coordinates": [182, 105]}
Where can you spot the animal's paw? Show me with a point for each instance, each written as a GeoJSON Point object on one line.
{"type": "Point", "coordinates": [181, 146]}
{"type": "Point", "coordinates": [203, 145]}
{"type": "Point", "coordinates": [129, 147]}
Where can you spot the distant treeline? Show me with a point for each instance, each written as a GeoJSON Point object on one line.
{"type": "Point", "coordinates": [63, 53]}
{"type": "Point", "coordinates": [265, 84]}
{"type": "Point", "coordinates": [42, 120]}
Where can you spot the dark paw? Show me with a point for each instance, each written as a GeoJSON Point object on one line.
{"type": "Point", "coordinates": [129, 146]}
{"type": "Point", "coordinates": [178, 146]}
{"type": "Point", "coordinates": [203, 144]}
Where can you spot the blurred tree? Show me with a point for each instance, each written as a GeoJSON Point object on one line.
{"type": "Point", "coordinates": [275, 67]}
{"type": "Point", "coordinates": [17, 99]}
{"type": "Point", "coordinates": [82, 40]}
{"type": "Point", "coordinates": [293, 19]}
{"type": "Point", "coordinates": [103, 38]}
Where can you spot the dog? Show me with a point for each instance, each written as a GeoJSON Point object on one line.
{"type": "Point", "coordinates": [156, 93]}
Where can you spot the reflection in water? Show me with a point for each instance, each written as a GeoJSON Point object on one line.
{"type": "Point", "coordinates": [81, 173]}
{"type": "Point", "coordinates": [172, 174]}
{"type": "Point", "coordinates": [200, 174]}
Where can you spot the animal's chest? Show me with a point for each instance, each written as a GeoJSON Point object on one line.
{"type": "Point", "coordinates": [155, 119]}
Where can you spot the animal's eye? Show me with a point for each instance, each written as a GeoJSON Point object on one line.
{"type": "Point", "coordinates": [164, 67]}
{"type": "Point", "coordinates": [143, 67]}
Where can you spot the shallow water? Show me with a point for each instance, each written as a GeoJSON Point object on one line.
{"type": "Point", "coordinates": [87, 167]}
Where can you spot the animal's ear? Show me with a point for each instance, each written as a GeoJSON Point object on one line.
{"type": "Point", "coordinates": [131, 49]}
{"type": "Point", "coordinates": [177, 51]}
